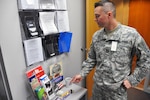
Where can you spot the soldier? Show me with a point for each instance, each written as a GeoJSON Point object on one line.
{"type": "Point", "coordinates": [111, 53]}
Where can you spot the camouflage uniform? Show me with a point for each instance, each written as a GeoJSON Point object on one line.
{"type": "Point", "coordinates": [113, 66]}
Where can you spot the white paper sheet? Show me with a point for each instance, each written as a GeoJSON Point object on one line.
{"type": "Point", "coordinates": [29, 4]}
{"type": "Point", "coordinates": [63, 21]}
{"type": "Point", "coordinates": [47, 23]}
{"type": "Point", "coordinates": [61, 4]}
{"type": "Point", "coordinates": [46, 4]}
{"type": "Point", "coordinates": [33, 50]}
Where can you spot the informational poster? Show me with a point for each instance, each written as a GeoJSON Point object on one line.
{"type": "Point", "coordinates": [33, 50]}
{"type": "Point", "coordinates": [47, 23]}
{"type": "Point", "coordinates": [29, 4]}
{"type": "Point", "coordinates": [47, 4]}
{"type": "Point", "coordinates": [63, 21]}
{"type": "Point", "coordinates": [61, 4]}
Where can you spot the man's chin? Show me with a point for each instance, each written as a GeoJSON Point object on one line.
{"type": "Point", "coordinates": [100, 25]}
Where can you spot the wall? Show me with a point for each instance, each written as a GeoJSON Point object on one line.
{"type": "Point", "coordinates": [12, 49]}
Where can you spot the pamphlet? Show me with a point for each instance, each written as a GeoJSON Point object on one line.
{"type": "Point", "coordinates": [56, 72]}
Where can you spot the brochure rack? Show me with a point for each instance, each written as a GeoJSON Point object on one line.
{"type": "Point", "coordinates": [47, 23]}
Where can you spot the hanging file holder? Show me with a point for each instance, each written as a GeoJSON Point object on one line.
{"type": "Point", "coordinates": [64, 42]}
{"type": "Point", "coordinates": [51, 45]}
{"type": "Point", "coordinates": [30, 22]}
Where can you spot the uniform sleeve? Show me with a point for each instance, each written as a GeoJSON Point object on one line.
{"type": "Point", "coordinates": [89, 63]}
{"type": "Point", "coordinates": [142, 53]}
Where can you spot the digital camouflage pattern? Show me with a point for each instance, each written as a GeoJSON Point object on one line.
{"type": "Point", "coordinates": [113, 66]}
{"type": "Point", "coordinates": [105, 93]}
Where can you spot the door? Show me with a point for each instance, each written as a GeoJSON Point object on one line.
{"type": "Point", "coordinates": [5, 93]}
{"type": "Point", "coordinates": [91, 27]}
{"type": "Point", "coordinates": [139, 19]}
{"type": "Point", "coordinates": [122, 8]}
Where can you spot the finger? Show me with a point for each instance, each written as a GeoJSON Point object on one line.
{"type": "Point", "coordinates": [127, 84]}
{"type": "Point", "coordinates": [73, 80]}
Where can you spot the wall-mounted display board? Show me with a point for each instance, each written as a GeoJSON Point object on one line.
{"type": "Point", "coordinates": [45, 29]}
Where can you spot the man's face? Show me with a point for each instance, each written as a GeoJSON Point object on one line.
{"type": "Point", "coordinates": [101, 17]}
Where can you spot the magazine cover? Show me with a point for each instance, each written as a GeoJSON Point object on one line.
{"type": "Point", "coordinates": [56, 72]}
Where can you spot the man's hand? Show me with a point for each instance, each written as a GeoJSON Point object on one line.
{"type": "Point", "coordinates": [76, 79]}
{"type": "Point", "coordinates": [127, 84]}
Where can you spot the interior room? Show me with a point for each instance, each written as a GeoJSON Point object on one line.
{"type": "Point", "coordinates": [29, 48]}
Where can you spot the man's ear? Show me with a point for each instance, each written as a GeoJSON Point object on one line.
{"type": "Point", "coordinates": [109, 13]}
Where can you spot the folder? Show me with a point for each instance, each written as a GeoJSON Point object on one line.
{"type": "Point", "coordinates": [64, 41]}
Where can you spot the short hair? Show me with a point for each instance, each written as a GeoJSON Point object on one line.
{"type": "Point", "coordinates": [107, 6]}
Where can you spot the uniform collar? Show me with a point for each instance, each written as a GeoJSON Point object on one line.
{"type": "Point", "coordinates": [113, 35]}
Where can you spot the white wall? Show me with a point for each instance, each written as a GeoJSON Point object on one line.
{"type": "Point", "coordinates": [12, 49]}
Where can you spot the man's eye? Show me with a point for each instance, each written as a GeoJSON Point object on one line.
{"type": "Point", "coordinates": [97, 16]}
